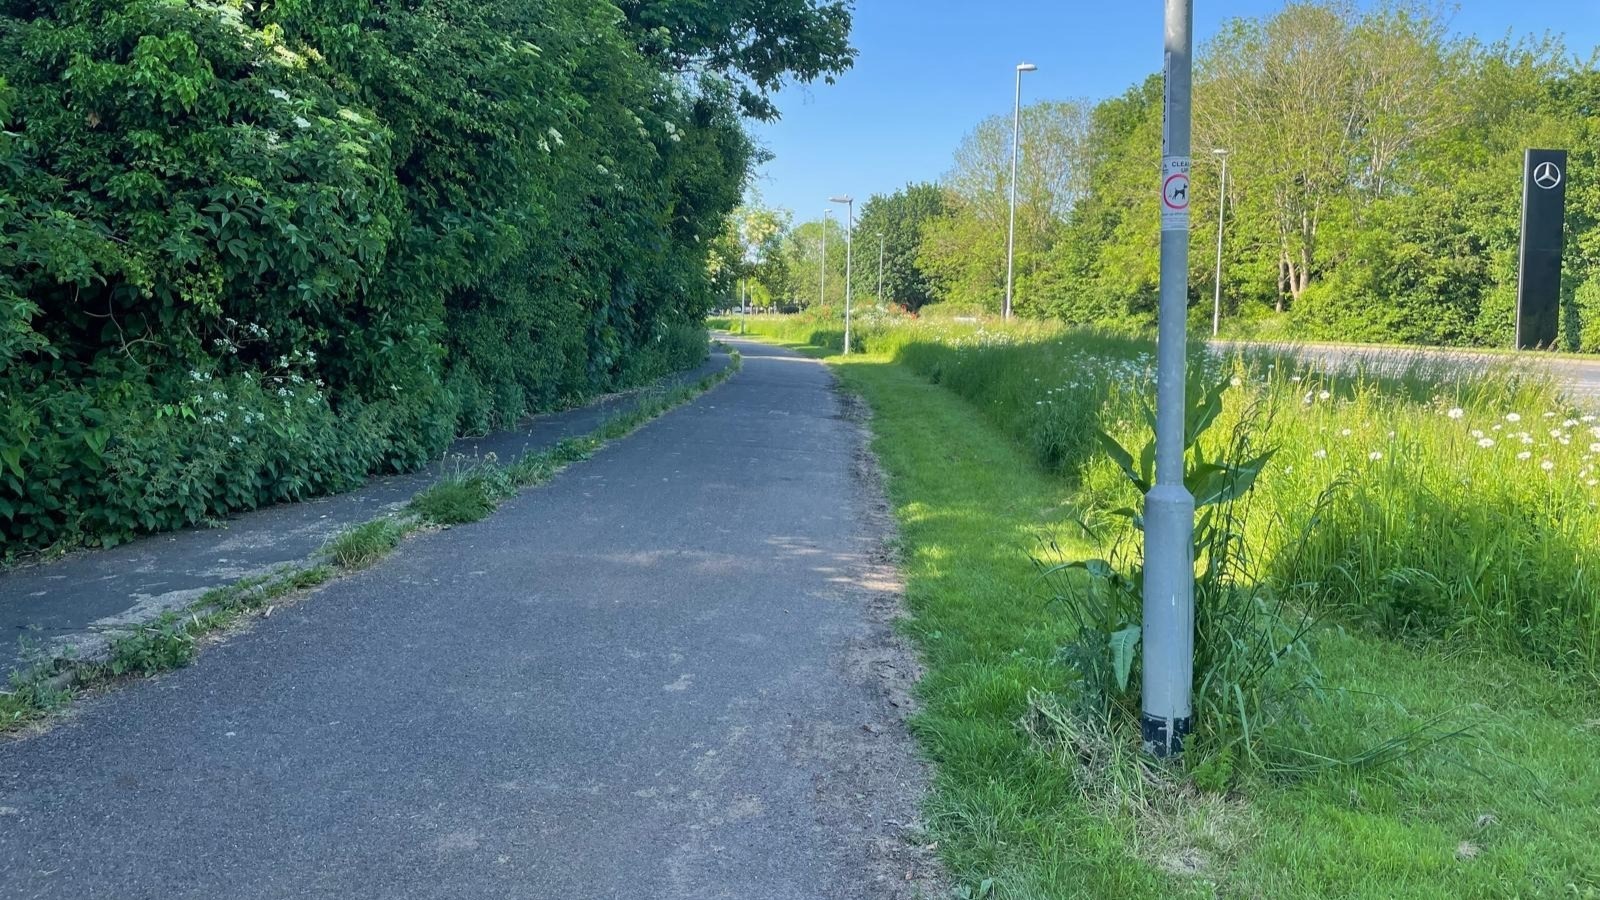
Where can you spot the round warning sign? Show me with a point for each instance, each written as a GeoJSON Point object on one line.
{"type": "Point", "coordinates": [1175, 193]}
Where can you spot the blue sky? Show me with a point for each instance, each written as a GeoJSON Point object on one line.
{"type": "Point", "coordinates": [929, 70]}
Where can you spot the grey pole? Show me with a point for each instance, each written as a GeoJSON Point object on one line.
{"type": "Point", "coordinates": [850, 226]}
{"type": "Point", "coordinates": [744, 306]}
{"type": "Point", "coordinates": [880, 269]}
{"type": "Point", "coordinates": [1016, 141]}
{"type": "Point", "coordinates": [1222, 210]}
{"type": "Point", "coordinates": [1168, 634]}
{"type": "Point", "coordinates": [822, 292]}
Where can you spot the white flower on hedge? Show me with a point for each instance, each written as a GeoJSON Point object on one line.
{"type": "Point", "coordinates": [300, 122]}
{"type": "Point", "coordinates": [280, 94]}
{"type": "Point", "coordinates": [556, 136]}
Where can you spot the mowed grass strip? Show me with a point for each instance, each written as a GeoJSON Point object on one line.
{"type": "Point", "coordinates": [1512, 809]}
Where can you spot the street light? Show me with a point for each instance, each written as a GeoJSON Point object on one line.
{"type": "Point", "coordinates": [1167, 684]}
{"type": "Point", "coordinates": [1016, 140]}
{"type": "Point", "coordinates": [850, 225]}
{"type": "Point", "coordinates": [880, 269]}
{"type": "Point", "coordinates": [822, 291]}
{"type": "Point", "coordinates": [1222, 208]}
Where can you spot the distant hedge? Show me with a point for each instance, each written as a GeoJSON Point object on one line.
{"type": "Point", "coordinates": [253, 252]}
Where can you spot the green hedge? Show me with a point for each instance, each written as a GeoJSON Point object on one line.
{"type": "Point", "coordinates": [254, 252]}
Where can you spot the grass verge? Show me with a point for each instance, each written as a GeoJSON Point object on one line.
{"type": "Point", "coordinates": [1509, 810]}
{"type": "Point", "coordinates": [469, 493]}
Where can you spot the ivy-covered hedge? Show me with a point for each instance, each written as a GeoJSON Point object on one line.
{"type": "Point", "coordinates": [255, 251]}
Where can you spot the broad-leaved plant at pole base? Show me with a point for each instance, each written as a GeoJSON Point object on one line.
{"type": "Point", "coordinates": [1245, 628]}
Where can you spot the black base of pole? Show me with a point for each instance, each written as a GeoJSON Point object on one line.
{"type": "Point", "coordinates": [1163, 737]}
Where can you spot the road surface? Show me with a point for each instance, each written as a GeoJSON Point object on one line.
{"type": "Point", "coordinates": [669, 673]}
{"type": "Point", "coordinates": [1579, 378]}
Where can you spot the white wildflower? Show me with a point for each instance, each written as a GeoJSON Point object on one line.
{"type": "Point", "coordinates": [1486, 443]}
{"type": "Point", "coordinates": [1547, 465]}
{"type": "Point", "coordinates": [1456, 412]}
{"type": "Point", "coordinates": [1513, 417]}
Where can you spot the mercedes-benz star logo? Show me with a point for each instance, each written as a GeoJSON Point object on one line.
{"type": "Point", "coordinates": [1547, 175]}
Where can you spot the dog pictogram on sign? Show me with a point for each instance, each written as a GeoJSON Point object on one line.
{"type": "Point", "coordinates": [1175, 193]}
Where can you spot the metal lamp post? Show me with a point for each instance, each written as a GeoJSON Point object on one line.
{"type": "Point", "coordinates": [850, 226]}
{"type": "Point", "coordinates": [1168, 626]}
{"type": "Point", "coordinates": [1016, 142]}
{"type": "Point", "coordinates": [1222, 209]}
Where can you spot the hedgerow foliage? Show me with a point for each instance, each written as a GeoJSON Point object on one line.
{"type": "Point", "coordinates": [255, 251]}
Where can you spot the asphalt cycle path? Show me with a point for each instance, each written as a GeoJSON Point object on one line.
{"type": "Point", "coordinates": [669, 673]}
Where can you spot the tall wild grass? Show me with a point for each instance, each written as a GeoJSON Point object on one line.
{"type": "Point", "coordinates": [1465, 504]}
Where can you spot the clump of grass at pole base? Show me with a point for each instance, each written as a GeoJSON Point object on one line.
{"type": "Point", "coordinates": [1358, 792]}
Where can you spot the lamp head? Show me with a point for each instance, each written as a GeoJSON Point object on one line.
{"type": "Point", "coordinates": [1027, 67]}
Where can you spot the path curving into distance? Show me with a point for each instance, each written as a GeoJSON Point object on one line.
{"type": "Point", "coordinates": [669, 673]}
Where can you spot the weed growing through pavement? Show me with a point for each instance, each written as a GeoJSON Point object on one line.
{"type": "Point", "coordinates": [365, 544]}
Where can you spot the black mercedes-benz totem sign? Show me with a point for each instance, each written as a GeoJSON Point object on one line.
{"type": "Point", "coordinates": [1544, 201]}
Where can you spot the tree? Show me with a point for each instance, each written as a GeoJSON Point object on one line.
{"type": "Point", "coordinates": [750, 251]}
{"type": "Point", "coordinates": [963, 250]}
{"type": "Point", "coordinates": [758, 44]}
{"type": "Point", "coordinates": [899, 217]}
{"type": "Point", "coordinates": [1324, 104]}
{"type": "Point", "coordinates": [802, 252]}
